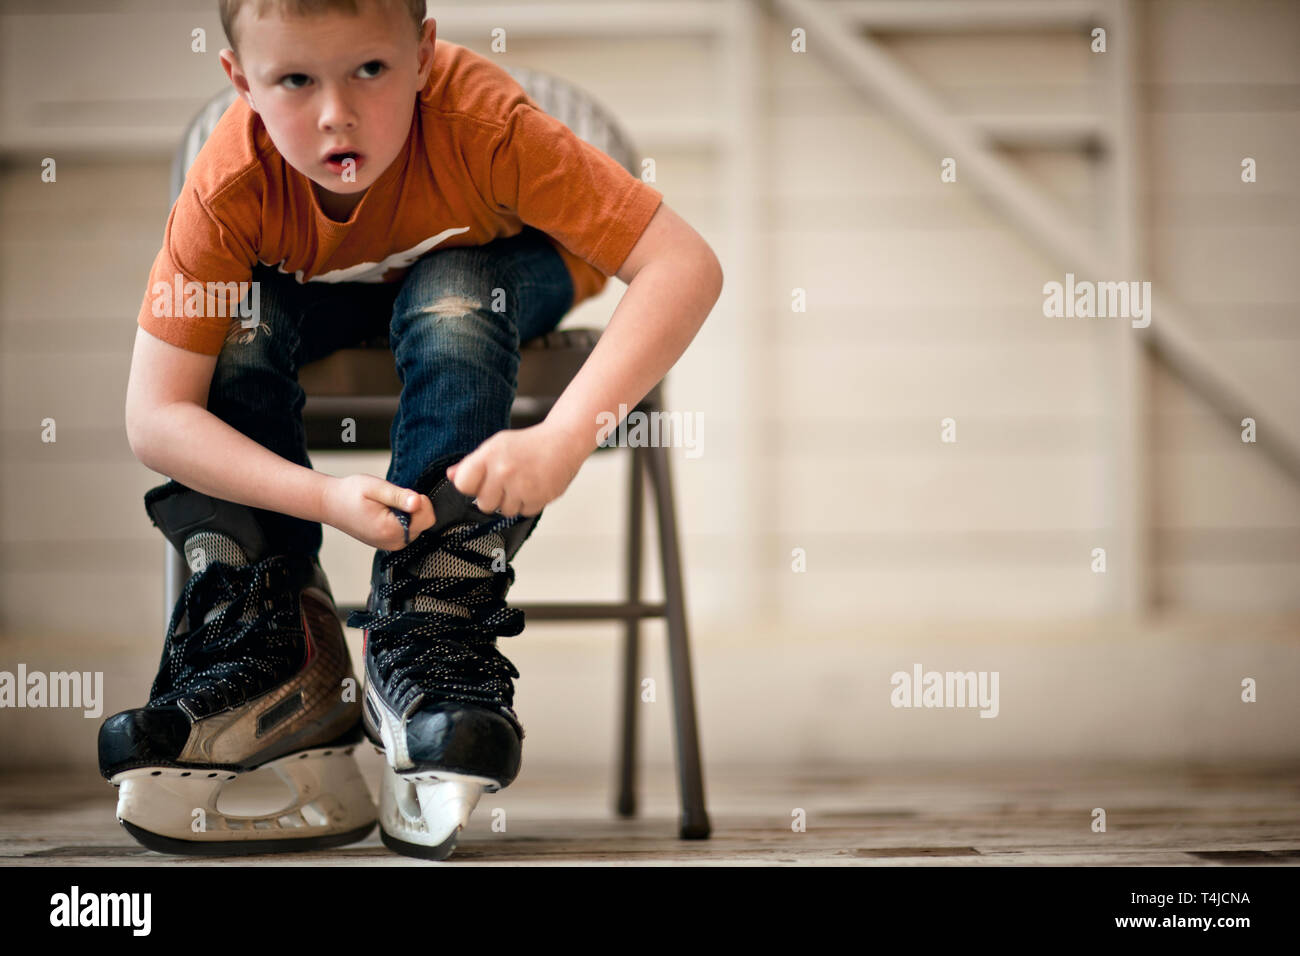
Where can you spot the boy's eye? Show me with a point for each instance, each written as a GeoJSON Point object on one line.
{"type": "Point", "coordinates": [291, 80]}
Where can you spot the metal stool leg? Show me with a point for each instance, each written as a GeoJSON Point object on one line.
{"type": "Point", "coordinates": [631, 638]}
{"type": "Point", "coordinates": [695, 820]}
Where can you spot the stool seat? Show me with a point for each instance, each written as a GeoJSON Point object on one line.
{"type": "Point", "coordinates": [361, 383]}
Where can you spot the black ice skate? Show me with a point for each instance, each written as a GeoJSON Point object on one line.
{"type": "Point", "coordinates": [439, 693]}
{"type": "Point", "coordinates": [246, 743]}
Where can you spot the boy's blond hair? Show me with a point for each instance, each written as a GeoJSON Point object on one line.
{"type": "Point", "coordinates": [299, 8]}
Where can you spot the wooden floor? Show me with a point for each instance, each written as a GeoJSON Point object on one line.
{"type": "Point", "coordinates": [876, 816]}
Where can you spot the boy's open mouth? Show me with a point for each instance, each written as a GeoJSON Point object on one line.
{"type": "Point", "coordinates": [336, 159]}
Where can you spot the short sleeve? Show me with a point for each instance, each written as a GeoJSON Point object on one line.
{"type": "Point", "coordinates": [199, 283]}
{"type": "Point", "coordinates": [556, 182]}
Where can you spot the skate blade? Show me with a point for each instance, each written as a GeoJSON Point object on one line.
{"type": "Point", "coordinates": [303, 801]}
{"type": "Point", "coordinates": [421, 814]}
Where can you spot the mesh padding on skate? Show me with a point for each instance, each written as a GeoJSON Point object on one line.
{"type": "Point", "coordinates": [207, 547]}
{"type": "Point", "coordinates": [213, 546]}
{"type": "Point", "coordinates": [249, 637]}
{"type": "Point", "coordinates": [444, 564]}
{"type": "Point", "coordinates": [443, 644]}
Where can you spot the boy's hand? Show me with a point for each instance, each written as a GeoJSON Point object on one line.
{"type": "Point", "coordinates": [359, 505]}
{"type": "Point", "coordinates": [518, 471]}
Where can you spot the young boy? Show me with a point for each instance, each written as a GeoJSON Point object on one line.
{"type": "Point", "coordinates": [369, 179]}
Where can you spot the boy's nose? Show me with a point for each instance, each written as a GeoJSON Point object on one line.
{"type": "Point", "coordinates": [330, 122]}
{"type": "Point", "coordinates": [337, 114]}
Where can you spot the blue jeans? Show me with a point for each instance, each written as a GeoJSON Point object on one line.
{"type": "Point", "coordinates": [457, 359]}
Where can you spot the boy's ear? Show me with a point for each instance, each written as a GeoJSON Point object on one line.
{"type": "Point", "coordinates": [428, 37]}
{"type": "Point", "coordinates": [231, 65]}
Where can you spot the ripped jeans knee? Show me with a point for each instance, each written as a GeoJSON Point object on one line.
{"type": "Point", "coordinates": [453, 305]}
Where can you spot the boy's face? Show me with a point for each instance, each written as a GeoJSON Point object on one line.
{"type": "Point", "coordinates": [333, 82]}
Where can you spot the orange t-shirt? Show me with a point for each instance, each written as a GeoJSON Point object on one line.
{"type": "Point", "coordinates": [481, 162]}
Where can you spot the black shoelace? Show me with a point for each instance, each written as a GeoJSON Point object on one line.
{"type": "Point", "coordinates": [225, 661]}
{"type": "Point", "coordinates": [433, 653]}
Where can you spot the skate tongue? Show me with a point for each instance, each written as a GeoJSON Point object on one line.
{"type": "Point", "coordinates": [206, 529]}
{"type": "Point", "coordinates": [450, 507]}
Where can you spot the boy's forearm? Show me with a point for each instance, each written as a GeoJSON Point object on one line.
{"type": "Point", "coordinates": [191, 445]}
{"type": "Point", "coordinates": [658, 316]}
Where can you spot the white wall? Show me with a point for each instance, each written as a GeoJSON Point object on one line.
{"type": "Point", "coordinates": [923, 304]}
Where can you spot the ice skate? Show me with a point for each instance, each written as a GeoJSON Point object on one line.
{"type": "Point", "coordinates": [246, 743]}
{"type": "Point", "coordinates": [439, 693]}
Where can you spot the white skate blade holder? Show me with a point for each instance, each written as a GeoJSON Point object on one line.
{"type": "Point", "coordinates": [421, 812]}
{"type": "Point", "coordinates": [310, 795]}
{"type": "Point", "coordinates": [428, 809]}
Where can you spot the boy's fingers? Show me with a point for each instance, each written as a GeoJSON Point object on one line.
{"type": "Point", "coordinates": [403, 498]}
{"type": "Point", "coordinates": [419, 521]}
{"type": "Point", "coordinates": [469, 474]}
{"type": "Point", "coordinates": [489, 497]}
